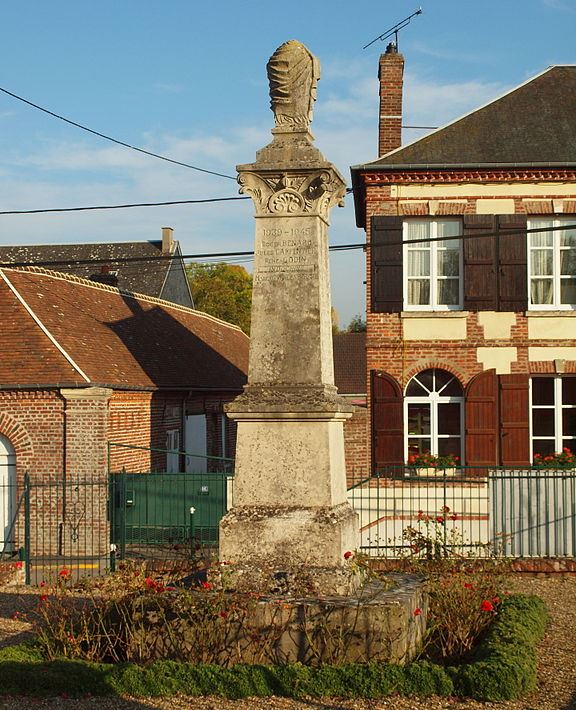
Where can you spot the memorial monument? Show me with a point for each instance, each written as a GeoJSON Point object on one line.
{"type": "Point", "coordinates": [291, 523]}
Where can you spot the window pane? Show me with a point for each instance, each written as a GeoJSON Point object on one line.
{"type": "Point", "coordinates": [543, 447]}
{"type": "Point", "coordinates": [448, 262]}
{"type": "Point", "coordinates": [418, 446]}
{"type": "Point", "coordinates": [568, 262]}
{"type": "Point", "coordinates": [449, 418]}
{"type": "Point", "coordinates": [415, 389]}
{"type": "Point", "coordinates": [543, 422]}
{"type": "Point", "coordinates": [568, 238]}
{"type": "Point", "coordinates": [419, 292]}
{"type": "Point", "coordinates": [541, 262]}
{"type": "Point", "coordinates": [426, 377]}
{"type": "Point", "coordinates": [543, 390]}
{"type": "Point", "coordinates": [449, 228]}
{"type": "Point", "coordinates": [568, 291]}
{"type": "Point", "coordinates": [441, 379]}
{"type": "Point", "coordinates": [418, 419]}
{"type": "Point", "coordinates": [569, 390]}
{"type": "Point", "coordinates": [541, 291]}
{"type": "Point", "coordinates": [419, 262]}
{"type": "Point", "coordinates": [448, 292]}
{"type": "Point", "coordinates": [449, 446]}
{"type": "Point", "coordinates": [569, 422]}
{"type": "Point", "coordinates": [417, 229]}
{"type": "Point", "coordinates": [541, 239]}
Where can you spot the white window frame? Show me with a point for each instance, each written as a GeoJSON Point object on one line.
{"type": "Point", "coordinates": [558, 408]}
{"type": "Point", "coordinates": [433, 399]}
{"type": "Point", "coordinates": [556, 305]}
{"type": "Point", "coordinates": [434, 277]}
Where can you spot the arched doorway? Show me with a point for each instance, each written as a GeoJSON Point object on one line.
{"type": "Point", "coordinates": [7, 493]}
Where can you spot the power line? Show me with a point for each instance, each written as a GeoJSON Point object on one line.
{"type": "Point", "coordinates": [121, 207]}
{"type": "Point", "coordinates": [238, 254]}
{"type": "Point", "coordinates": [114, 140]}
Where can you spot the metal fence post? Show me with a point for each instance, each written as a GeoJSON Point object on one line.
{"type": "Point", "coordinates": [27, 564]}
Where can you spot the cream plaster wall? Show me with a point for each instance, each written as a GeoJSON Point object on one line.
{"type": "Point", "coordinates": [499, 358]}
{"type": "Point", "coordinates": [551, 328]}
{"type": "Point", "coordinates": [538, 354]}
{"type": "Point", "coordinates": [443, 191]}
{"type": "Point", "coordinates": [430, 328]}
{"type": "Point", "coordinates": [496, 325]}
{"type": "Point", "coordinates": [495, 207]}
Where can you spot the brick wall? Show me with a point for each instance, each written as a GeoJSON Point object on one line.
{"type": "Point", "coordinates": [356, 446]}
{"type": "Point", "coordinates": [387, 348]}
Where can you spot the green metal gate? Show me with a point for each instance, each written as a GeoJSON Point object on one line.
{"type": "Point", "coordinates": [178, 509]}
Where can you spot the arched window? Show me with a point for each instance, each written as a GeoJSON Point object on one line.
{"type": "Point", "coordinates": [7, 493]}
{"type": "Point", "coordinates": [433, 413]}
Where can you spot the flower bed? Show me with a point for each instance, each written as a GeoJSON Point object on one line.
{"type": "Point", "coordinates": [503, 668]}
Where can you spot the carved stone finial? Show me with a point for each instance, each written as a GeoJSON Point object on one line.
{"type": "Point", "coordinates": [293, 73]}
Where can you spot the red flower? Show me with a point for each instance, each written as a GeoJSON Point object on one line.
{"type": "Point", "coordinates": [468, 585]}
{"type": "Point", "coordinates": [439, 519]}
{"type": "Point", "coordinates": [43, 598]}
{"type": "Point", "coordinates": [224, 614]}
{"type": "Point", "coordinates": [18, 565]}
{"type": "Point", "coordinates": [417, 611]}
{"type": "Point", "coordinates": [206, 585]}
{"type": "Point", "coordinates": [454, 517]}
{"type": "Point", "coordinates": [445, 509]}
{"type": "Point", "coordinates": [42, 584]}
{"type": "Point", "coordinates": [486, 606]}
{"type": "Point", "coordinates": [496, 600]}
{"type": "Point", "coordinates": [64, 573]}
{"type": "Point", "coordinates": [348, 555]}
{"type": "Point", "coordinates": [149, 582]}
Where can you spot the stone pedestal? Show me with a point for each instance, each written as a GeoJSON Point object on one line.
{"type": "Point", "coordinates": [291, 522]}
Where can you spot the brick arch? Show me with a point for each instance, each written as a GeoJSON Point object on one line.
{"type": "Point", "coordinates": [434, 365]}
{"type": "Point", "coordinates": [18, 436]}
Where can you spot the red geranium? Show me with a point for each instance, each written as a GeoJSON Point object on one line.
{"type": "Point", "coordinates": [486, 605]}
{"type": "Point", "coordinates": [348, 555]}
{"type": "Point", "coordinates": [417, 611]}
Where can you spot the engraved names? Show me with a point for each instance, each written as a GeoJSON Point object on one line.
{"type": "Point", "coordinates": [285, 253]}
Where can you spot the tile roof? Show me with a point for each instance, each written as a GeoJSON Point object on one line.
{"type": "Point", "coordinates": [53, 321]}
{"type": "Point", "coordinates": [147, 275]}
{"type": "Point", "coordinates": [533, 123]}
{"type": "Point", "coordinates": [350, 362]}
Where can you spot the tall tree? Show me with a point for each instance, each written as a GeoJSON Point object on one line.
{"type": "Point", "coordinates": [356, 325]}
{"type": "Point", "coordinates": [222, 290]}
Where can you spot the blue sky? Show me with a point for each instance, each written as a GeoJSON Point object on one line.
{"type": "Point", "coordinates": [188, 80]}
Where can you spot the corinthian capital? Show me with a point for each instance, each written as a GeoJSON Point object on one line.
{"type": "Point", "coordinates": [295, 193]}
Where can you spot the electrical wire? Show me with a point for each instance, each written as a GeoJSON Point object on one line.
{"type": "Point", "coordinates": [114, 140]}
{"type": "Point", "coordinates": [120, 207]}
{"type": "Point", "coordinates": [249, 254]}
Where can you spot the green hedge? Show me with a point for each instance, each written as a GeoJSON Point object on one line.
{"type": "Point", "coordinates": [505, 668]}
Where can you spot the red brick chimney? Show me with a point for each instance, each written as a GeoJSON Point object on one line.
{"type": "Point", "coordinates": [391, 75]}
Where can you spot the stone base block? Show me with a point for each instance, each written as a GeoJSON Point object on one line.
{"type": "Point", "coordinates": [286, 539]}
{"type": "Point", "coordinates": [377, 624]}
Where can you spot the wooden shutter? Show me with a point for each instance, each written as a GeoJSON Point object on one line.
{"type": "Point", "coordinates": [480, 275]}
{"type": "Point", "coordinates": [512, 262]}
{"type": "Point", "coordinates": [386, 245]}
{"type": "Point", "coordinates": [387, 421]}
{"type": "Point", "coordinates": [482, 420]}
{"type": "Point", "coordinates": [514, 417]}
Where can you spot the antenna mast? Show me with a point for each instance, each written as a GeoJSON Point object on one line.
{"type": "Point", "coordinates": [394, 30]}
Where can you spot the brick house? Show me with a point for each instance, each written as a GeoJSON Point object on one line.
{"type": "Point", "coordinates": [84, 364]}
{"type": "Point", "coordinates": [154, 268]}
{"type": "Point", "coordinates": [471, 331]}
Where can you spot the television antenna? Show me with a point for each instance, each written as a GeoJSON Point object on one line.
{"type": "Point", "coordinates": [394, 30]}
